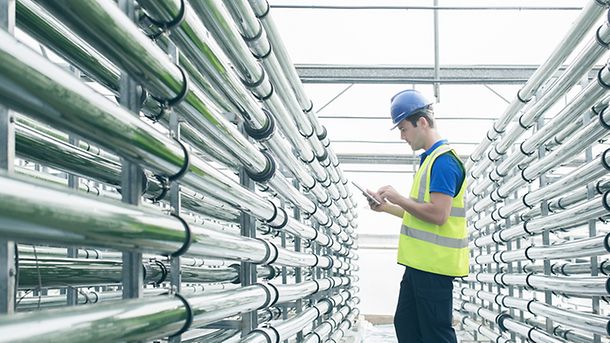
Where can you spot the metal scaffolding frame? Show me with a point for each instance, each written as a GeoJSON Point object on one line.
{"type": "Point", "coordinates": [173, 201]}
{"type": "Point", "coordinates": [412, 74]}
{"type": "Point", "coordinates": [535, 229]}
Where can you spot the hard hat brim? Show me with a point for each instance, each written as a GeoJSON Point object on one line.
{"type": "Point", "coordinates": [400, 118]}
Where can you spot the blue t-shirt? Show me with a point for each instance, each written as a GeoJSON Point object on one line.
{"type": "Point", "coordinates": [447, 173]}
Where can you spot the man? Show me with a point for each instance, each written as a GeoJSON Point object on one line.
{"type": "Point", "coordinates": [433, 243]}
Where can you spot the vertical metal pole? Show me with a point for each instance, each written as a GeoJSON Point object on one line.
{"type": "Point", "coordinates": [437, 90]}
{"type": "Point", "coordinates": [489, 270]}
{"type": "Point", "coordinates": [592, 224]}
{"type": "Point", "coordinates": [317, 272]}
{"type": "Point", "coordinates": [285, 307]}
{"type": "Point", "coordinates": [481, 266]}
{"type": "Point", "coordinates": [174, 195]}
{"type": "Point", "coordinates": [131, 183]}
{"type": "Point", "coordinates": [8, 263]}
{"type": "Point", "coordinates": [472, 285]}
{"type": "Point", "coordinates": [298, 273]}
{"type": "Point", "coordinates": [510, 268]}
{"type": "Point", "coordinates": [249, 320]}
{"type": "Point", "coordinates": [73, 182]}
{"type": "Point", "coordinates": [548, 295]}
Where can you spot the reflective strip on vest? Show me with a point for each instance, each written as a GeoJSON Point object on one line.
{"type": "Point", "coordinates": [458, 212]}
{"type": "Point", "coordinates": [434, 238]}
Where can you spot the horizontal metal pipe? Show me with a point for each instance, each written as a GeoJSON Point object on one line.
{"type": "Point", "coordinates": [573, 286]}
{"type": "Point", "coordinates": [579, 141]}
{"type": "Point", "coordinates": [64, 137]}
{"type": "Point", "coordinates": [44, 149]}
{"type": "Point", "coordinates": [574, 125]}
{"type": "Point", "coordinates": [585, 321]}
{"type": "Point", "coordinates": [576, 144]}
{"type": "Point", "coordinates": [43, 273]}
{"type": "Point", "coordinates": [151, 149]}
{"type": "Point", "coordinates": [218, 336]}
{"type": "Point", "coordinates": [529, 332]}
{"type": "Point", "coordinates": [581, 176]}
{"type": "Point", "coordinates": [65, 110]}
{"type": "Point", "coordinates": [48, 30]}
{"type": "Point", "coordinates": [89, 296]}
{"type": "Point", "coordinates": [249, 27]}
{"type": "Point", "coordinates": [567, 334]}
{"type": "Point", "coordinates": [247, 22]}
{"type": "Point", "coordinates": [507, 323]}
{"type": "Point", "coordinates": [210, 308]}
{"type": "Point", "coordinates": [191, 34]}
{"type": "Point", "coordinates": [111, 32]}
{"type": "Point", "coordinates": [95, 254]}
{"type": "Point", "coordinates": [291, 292]}
{"type": "Point", "coordinates": [122, 227]}
{"type": "Point", "coordinates": [60, 272]}
{"type": "Point", "coordinates": [41, 148]}
{"type": "Point", "coordinates": [569, 115]}
{"type": "Point", "coordinates": [116, 226]}
{"type": "Point", "coordinates": [260, 10]}
{"type": "Point", "coordinates": [45, 28]}
{"type": "Point", "coordinates": [589, 209]}
{"type": "Point", "coordinates": [287, 66]}
{"type": "Point", "coordinates": [215, 17]}
{"type": "Point", "coordinates": [582, 63]}
{"type": "Point", "coordinates": [565, 268]}
{"type": "Point", "coordinates": [56, 180]}
{"type": "Point", "coordinates": [570, 199]}
{"type": "Point", "coordinates": [137, 319]}
{"type": "Point", "coordinates": [568, 249]}
{"type": "Point", "coordinates": [580, 26]}
{"type": "Point", "coordinates": [484, 330]}
{"type": "Point", "coordinates": [286, 329]}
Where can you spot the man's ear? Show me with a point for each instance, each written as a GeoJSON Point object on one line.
{"type": "Point", "coordinates": [421, 121]}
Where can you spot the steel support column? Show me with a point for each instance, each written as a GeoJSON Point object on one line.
{"type": "Point", "coordinates": [73, 182]}
{"type": "Point", "coordinates": [131, 184]}
{"type": "Point", "coordinates": [247, 272]}
{"type": "Point", "coordinates": [7, 164]}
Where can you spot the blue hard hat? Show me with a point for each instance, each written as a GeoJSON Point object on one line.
{"type": "Point", "coordinates": [407, 103]}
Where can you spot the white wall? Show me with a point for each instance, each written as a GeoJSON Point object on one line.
{"type": "Point", "coordinates": [379, 283]}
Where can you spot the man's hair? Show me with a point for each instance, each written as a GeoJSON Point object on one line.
{"type": "Point", "coordinates": [426, 113]}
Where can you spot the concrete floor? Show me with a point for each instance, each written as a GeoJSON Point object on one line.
{"type": "Point", "coordinates": [365, 331]}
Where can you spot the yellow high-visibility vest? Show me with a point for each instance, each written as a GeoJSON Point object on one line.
{"type": "Point", "coordinates": [439, 249]}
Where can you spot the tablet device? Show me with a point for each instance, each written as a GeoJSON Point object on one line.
{"type": "Point", "coordinates": [366, 194]}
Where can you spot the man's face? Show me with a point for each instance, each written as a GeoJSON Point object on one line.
{"type": "Point", "coordinates": [411, 134]}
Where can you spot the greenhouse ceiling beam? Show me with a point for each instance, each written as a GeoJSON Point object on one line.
{"type": "Point", "coordinates": [399, 74]}
{"type": "Point", "coordinates": [403, 159]}
{"type": "Point", "coordinates": [453, 8]}
{"type": "Point", "coordinates": [406, 159]}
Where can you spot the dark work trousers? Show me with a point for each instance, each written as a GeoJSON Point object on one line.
{"type": "Point", "coordinates": [424, 311]}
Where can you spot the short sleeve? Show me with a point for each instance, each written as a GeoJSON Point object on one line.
{"type": "Point", "coordinates": [447, 175]}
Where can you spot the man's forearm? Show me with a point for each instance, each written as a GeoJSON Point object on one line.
{"type": "Point", "coordinates": [425, 211]}
{"type": "Point", "coordinates": [394, 210]}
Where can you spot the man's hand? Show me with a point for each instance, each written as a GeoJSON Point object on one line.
{"type": "Point", "coordinates": [384, 206]}
{"type": "Point", "coordinates": [375, 207]}
{"type": "Point", "coordinates": [388, 193]}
